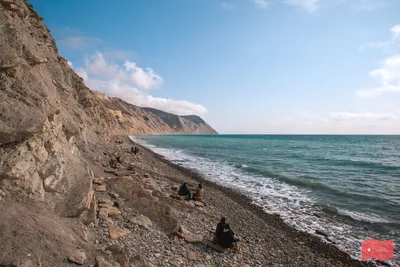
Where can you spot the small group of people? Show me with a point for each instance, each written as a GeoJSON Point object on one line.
{"type": "Point", "coordinates": [225, 237]}
{"type": "Point", "coordinates": [184, 190]}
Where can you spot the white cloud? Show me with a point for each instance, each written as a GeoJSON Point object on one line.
{"type": "Point", "coordinates": [362, 116]}
{"type": "Point", "coordinates": [80, 42]}
{"type": "Point", "coordinates": [128, 73]}
{"type": "Point", "coordinates": [70, 64]}
{"type": "Point", "coordinates": [140, 98]}
{"type": "Point", "coordinates": [389, 75]}
{"type": "Point", "coordinates": [131, 83]}
{"type": "Point", "coordinates": [145, 79]}
{"type": "Point", "coordinates": [309, 5]}
{"type": "Point", "coordinates": [263, 4]}
{"type": "Point", "coordinates": [395, 40]}
{"type": "Point", "coordinates": [227, 6]}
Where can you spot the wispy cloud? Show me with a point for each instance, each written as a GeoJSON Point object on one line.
{"type": "Point", "coordinates": [80, 42]}
{"type": "Point", "coordinates": [313, 5]}
{"type": "Point", "coordinates": [389, 75]}
{"type": "Point", "coordinates": [262, 4]}
{"type": "Point", "coordinates": [311, 122]}
{"type": "Point", "coordinates": [389, 72]}
{"type": "Point", "coordinates": [394, 41]}
{"type": "Point", "coordinates": [309, 5]}
{"type": "Point", "coordinates": [131, 83]}
{"type": "Point", "coordinates": [340, 116]}
{"type": "Point", "coordinates": [227, 6]}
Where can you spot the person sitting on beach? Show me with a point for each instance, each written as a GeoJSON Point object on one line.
{"type": "Point", "coordinates": [198, 196]}
{"type": "Point", "coordinates": [218, 230]}
{"type": "Point", "coordinates": [184, 191]}
{"type": "Point", "coordinates": [227, 238]}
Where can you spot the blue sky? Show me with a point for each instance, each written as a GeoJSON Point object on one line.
{"type": "Point", "coordinates": [246, 66]}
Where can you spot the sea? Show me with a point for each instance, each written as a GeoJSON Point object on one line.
{"type": "Point", "coordinates": [346, 186]}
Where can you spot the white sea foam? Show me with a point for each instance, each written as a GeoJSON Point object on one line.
{"type": "Point", "coordinates": [294, 205]}
{"type": "Point", "coordinates": [362, 217]}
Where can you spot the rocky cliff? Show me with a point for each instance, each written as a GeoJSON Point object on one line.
{"type": "Point", "coordinates": [52, 133]}
{"type": "Point", "coordinates": [47, 111]}
{"type": "Point", "coordinates": [38, 86]}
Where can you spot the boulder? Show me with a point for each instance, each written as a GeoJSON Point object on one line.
{"type": "Point", "coordinates": [98, 181]}
{"type": "Point", "coordinates": [105, 200]}
{"type": "Point", "coordinates": [78, 257]}
{"type": "Point", "coordinates": [101, 188]}
{"type": "Point", "coordinates": [113, 211]}
{"type": "Point", "coordinates": [109, 211]}
{"type": "Point", "coordinates": [198, 204]}
{"type": "Point", "coordinates": [188, 236]}
{"type": "Point", "coordinates": [142, 221]}
{"type": "Point", "coordinates": [142, 201]}
{"type": "Point", "coordinates": [115, 232]}
{"type": "Point", "coordinates": [193, 238]}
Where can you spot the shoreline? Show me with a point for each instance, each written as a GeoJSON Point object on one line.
{"type": "Point", "coordinates": [323, 249]}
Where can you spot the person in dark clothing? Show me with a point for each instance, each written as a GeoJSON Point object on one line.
{"type": "Point", "coordinates": [218, 230]}
{"type": "Point", "coordinates": [226, 237]}
{"type": "Point", "coordinates": [134, 149]}
{"type": "Point", "coordinates": [184, 191]}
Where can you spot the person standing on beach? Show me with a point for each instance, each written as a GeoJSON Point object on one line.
{"type": "Point", "coordinates": [134, 149]}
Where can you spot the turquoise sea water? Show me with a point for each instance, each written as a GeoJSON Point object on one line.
{"type": "Point", "coordinates": [345, 186]}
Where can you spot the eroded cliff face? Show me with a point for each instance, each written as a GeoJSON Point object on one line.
{"type": "Point", "coordinates": [52, 127]}
{"type": "Point", "coordinates": [47, 114]}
